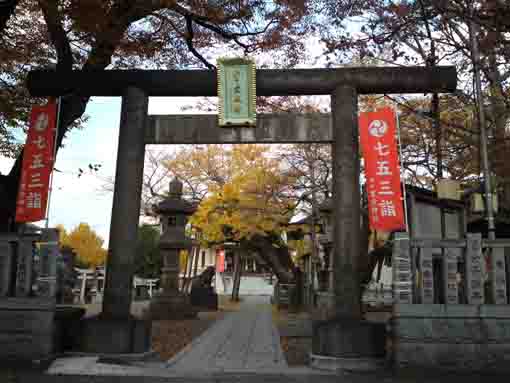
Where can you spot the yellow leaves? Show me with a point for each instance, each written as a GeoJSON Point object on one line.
{"type": "Point", "coordinates": [85, 242]}
{"type": "Point", "coordinates": [247, 206]}
{"type": "Point", "coordinates": [301, 247]}
{"type": "Point", "coordinates": [183, 259]}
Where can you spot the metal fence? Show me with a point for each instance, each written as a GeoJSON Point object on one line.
{"type": "Point", "coordinates": [450, 271]}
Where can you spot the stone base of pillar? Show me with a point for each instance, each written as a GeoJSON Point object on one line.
{"type": "Point", "coordinates": [348, 344]}
{"type": "Point", "coordinates": [172, 306]}
{"type": "Point", "coordinates": [115, 336]}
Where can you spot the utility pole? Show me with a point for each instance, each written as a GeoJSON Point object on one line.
{"type": "Point", "coordinates": [475, 58]}
{"type": "Point", "coordinates": [313, 235]}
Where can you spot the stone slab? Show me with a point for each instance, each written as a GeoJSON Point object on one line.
{"type": "Point", "coordinates": [349, 338]}
{"type": "Point", "coordinates": [272, 128]}
{"type": "Point", "coordinates": [451, 311]}
{"type": "Point", "coordinates": [26, 321]}
{"type": "Point", "coordinates": [454, 357]}
{"type": "Point", "coordinates": [25, 346]}
{"type": "Point", "coordinates": [26, 328]}
{"type": "Point", "coordinates": [346, 364]}
{"type": "Point", "coordinates": [452, 337]}
{"type": "Point", "coordinates": [27, 304]}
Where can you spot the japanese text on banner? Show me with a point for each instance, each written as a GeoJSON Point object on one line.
{"type": "Point", "coordinates": [377, 134]}
{"type": "Point", "coordinates": [37, 164]}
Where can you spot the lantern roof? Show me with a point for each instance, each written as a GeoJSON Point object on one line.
{"type": "Point", "coordinates": [174, 203]}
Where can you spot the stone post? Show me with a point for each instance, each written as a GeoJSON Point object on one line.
{"type": "Point", "coordinates": [474, 263]}
{"type": "Point", "coordinates": [48, 260]}
{"type": "Point", "coordinates": [344, 340]}
{"type": "Point", "coordinates": [5, 267]}
{"type": "Point", "coordinates": [115, 330]}
{"type": "Point", "coordinates": [346, 201]}
{"type": "Point", "coordinates": [126, 205]}
{"type": "Point", "coordinates": [25, 268]}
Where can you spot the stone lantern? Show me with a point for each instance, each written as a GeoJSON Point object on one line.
{"type": "Point", "coordinates": [174, 213]}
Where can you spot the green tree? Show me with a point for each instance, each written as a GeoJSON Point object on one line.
{"type": "Point", "coordinates": [148, 260]}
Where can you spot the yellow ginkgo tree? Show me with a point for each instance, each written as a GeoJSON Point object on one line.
{"type": "Point", "coordinates": [87, 244]}
{"type": "Point", "coordinates": [252, 204]}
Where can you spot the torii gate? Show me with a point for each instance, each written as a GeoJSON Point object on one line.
{"type": "Point", "coordinates": [341, 337]}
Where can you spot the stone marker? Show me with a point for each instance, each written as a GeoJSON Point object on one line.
{"type": "Point", "coordinates": [5, 267]}
{"type": "Point", "coordinates": [474, 278]}
{"type": "Point", "coordinates": [402, 276]}
{"type": "Point", "coordinates": [498, 277]}
{"type": "Point", "coordinates": [24, 268]}
{"type": "Point", "coordinates": [427, 276]}
{"type": "Point", "coordinates": [48, 253]}
{"type": "Point", "coordinates": [451, 287]}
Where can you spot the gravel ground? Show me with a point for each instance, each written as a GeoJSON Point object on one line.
{"type": "Point", "coordinates": [296, 350]}
{"type": "Point", "coordinates": [171, 336]}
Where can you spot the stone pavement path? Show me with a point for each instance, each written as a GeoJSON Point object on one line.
{"type": "Point", "coordinates": [244, 341]}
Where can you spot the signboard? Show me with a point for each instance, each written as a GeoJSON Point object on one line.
{"type": "Point", "coordinates": [377, 134]}
{"type": "Point", "coordinates": [37, 164]}
{"type": "Point", "coordinates": [236, 92]}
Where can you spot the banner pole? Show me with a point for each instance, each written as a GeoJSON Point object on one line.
{"type": "Point", "coordinates": [402, 179]}
{"type": "Point", "coordinates": [50, 190]}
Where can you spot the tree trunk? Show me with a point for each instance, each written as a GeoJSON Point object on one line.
{"type": "Point", "coordinates": [436, 123]}
{"type": "Point", "coordinates": [236, 278]}
{"type": "Point", "coordinates": [277, 258]}
{"type": "Point", "coordinates": [197, 256]}
{"type": "Point", "coordinates": [499, 114]}
{"type": "Point", "coordinates": [187, 270]}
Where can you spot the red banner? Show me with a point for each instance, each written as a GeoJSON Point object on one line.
{"type": "Point", "coordinates": [382, 171]}
{"type": "Point", "coordinates": [220, 261]}
{"type": "Point", "coordinates": [37, 164]}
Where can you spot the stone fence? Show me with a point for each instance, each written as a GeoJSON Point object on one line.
{"type": "Point", "coordinates": [451, 309]}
